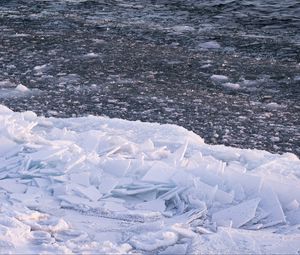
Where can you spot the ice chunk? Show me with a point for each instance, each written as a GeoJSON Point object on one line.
{"type": "Point", "coordinates": [154, 205]}
{"type": "Point", "coordinates": [182, 28]}
{"type": "Point", "coordinates": [81, 178]}
{"type": "Point", "coordinates": [271, 205]}
{"type": "Point", "coordinates": [74, 200]}
{"type": "Point", "coordinates": [230, 85]}
{"type": "Point", "coordinates": [22, 88]}
{"type": "Point", "coordinates": [178, 155]}
{"type": "Point", "coordinates": [293, 217]}
{"type": "Point", "coordinates": [108, 183]}
{"type": "Point", "coordinates": [160, 172]}
{"type": "Point", "coordinates": [89, 192]}
{"type": "Point", "coordinates": [219, 78]}
{"type": "Point", "coordinates": [250, 183]}
{"type": "Point", "coordinates": [47, 153]}
{"type": "Point", "coordinates": [117, 167]}
{"type": "Point", "coordinates": [12, 186]}
{"type": "Point", "coordinates": [210, 45]}
{"type": "Point", "coordinates": [237, 215]}
{"type": "Point", "coordinates": [205, 191]}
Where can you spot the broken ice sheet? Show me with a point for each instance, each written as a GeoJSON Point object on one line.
{"type": "Point", "coordinates": [116, 167]}
{"type": "Point", "coordinates": [237, 215]}
{"type": "Point", "coordinates": [271, 205]}
{"type": "Point", "coordinates": [160, 172]}
{"type": "Point", "coordinates": [154, 205]}
{"type": "Point", "coordinates": [88, 192]}
{"type": "Point", "coordinates": [12, 186]}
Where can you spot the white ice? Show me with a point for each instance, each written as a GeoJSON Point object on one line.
{"type": "Point", "coordinates": [210, 45]}
{"type": "Point", "coordinates": [100, 185]}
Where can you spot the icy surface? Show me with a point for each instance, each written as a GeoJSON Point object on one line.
{"type": "Point", "coordinates": [100, 185]}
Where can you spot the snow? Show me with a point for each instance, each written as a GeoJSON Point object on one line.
{"type": "Point", "coordinates": [100, 185]}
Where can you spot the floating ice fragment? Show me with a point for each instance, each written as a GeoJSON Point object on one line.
{"type": "Point", "coordinates": [91, 55]}
{"type": "Point", "coordinates": [236, 215]}
{"type": "Point", "coordinates": [183, 28]}
{"type": "Point", "coordinates": [219, 78]}
{"type": "Point", "coordinates": [22, 88]}
{"type": "Point", "coordinates": [210, 45]}
{"type": "Point", "coordinates": [40, 68]}
{"type": "Point", "coordinates": [230, 85]}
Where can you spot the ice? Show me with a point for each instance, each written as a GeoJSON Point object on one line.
{"type": "Point", "coordinates": [154, 205]}
{"type": "Point", "coordinates": [183, 28]}
{"type": "Point", "coordinates": [12, 186]}
{"type": "Point", "coordinates": [159, 173]}
{"type": "Point", "coordinates": [81, 178]}
{"type": "Point", "coordinates": [175, 249]}
{"type": "Point", "coordinates": [22, 88]}
{"type": "Point", "coordinates": [152, 241]}
{"type": "Point", "coordinates": [116, 167]}
{"type": "Point", "coordinates": [271, 205]}
{"type": "Point", "coordinates": [210, 45]}
{"type": "Point", "coordinates": [219, 78]}
{"type": "Point", "coordinates": [231, 85]}
{"type": "Point", "coordinates": [94, 184]}
{"type": "Point", "coordinates": [6, 145]}
{"type": "Point", "coordinates": [89, 192]}
{"type": "Point", "coordinates": [238, 215]}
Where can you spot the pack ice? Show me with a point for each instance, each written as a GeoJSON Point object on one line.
{"type": "Point", "coordinates": [100, 185]}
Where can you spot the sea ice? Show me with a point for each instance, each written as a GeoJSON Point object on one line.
{"type": "Point", "coordinates": [94, 184]}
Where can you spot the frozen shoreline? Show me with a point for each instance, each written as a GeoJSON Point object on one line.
{"type": "Point", "coordinates": [103, 185]}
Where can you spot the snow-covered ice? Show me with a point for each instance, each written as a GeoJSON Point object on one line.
{"type": "Point", "coordinates": [100, 185]}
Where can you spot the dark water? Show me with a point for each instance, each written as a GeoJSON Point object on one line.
{"type": "Point", "coordinates": [150, 61]}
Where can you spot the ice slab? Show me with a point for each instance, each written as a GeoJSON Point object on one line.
{"type": "Point", "coordinates": [12, 186]}
{"type": "Point", "coordinates": [237, 216]}
{"type": "Point", "coordinates": [160, 172]}
{"type": "Point", "coordinates": [271, 205]}
{"type": "Point", "coordinates": [154, 205]}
